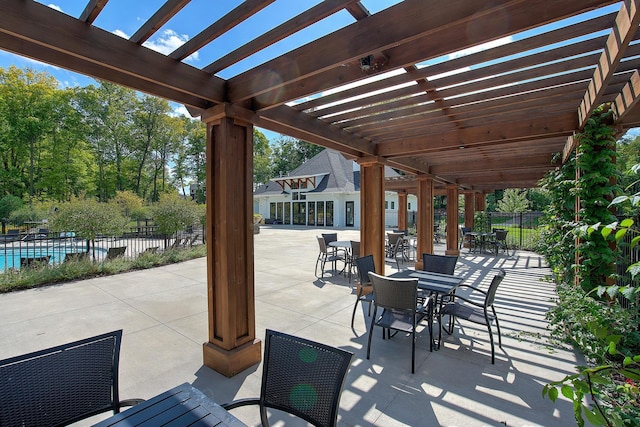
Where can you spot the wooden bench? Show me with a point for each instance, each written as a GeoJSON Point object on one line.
{"type": "Point", "coordinates": [62, 385]}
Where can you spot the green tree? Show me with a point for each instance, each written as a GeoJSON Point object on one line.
{"type": "Point", "coordinates": [262, 153]}
{"type": "Point", "coordinates": [8, 204]}
{"type": "Point", "coordinates": [127, 202]}
{"type": "Point", "coordinates": [513, 200]}
{"type": "Point", "coordinates": [173, 213]}
{"type": "Point", "coordinates": [289, 153]}
{"type": "Point", "coordinates": [26, 104]}
{"type": "Point", "coordinates": [89, 219]}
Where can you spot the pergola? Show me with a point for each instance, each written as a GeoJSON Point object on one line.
{"type": "Point", "coordinates": [394, 88]}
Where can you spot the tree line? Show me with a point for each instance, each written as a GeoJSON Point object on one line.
{"type": "Point", "coordinates": [97, 140]}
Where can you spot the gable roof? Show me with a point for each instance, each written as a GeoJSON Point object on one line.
{"type": "Point", "coordinates": [338, 174]}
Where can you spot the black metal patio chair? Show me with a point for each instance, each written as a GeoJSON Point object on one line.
{"type": "Point", "coordinates": [301, 377]}
{"type": "Point", "coordinates": [327, 256]}
{"type": "Point", "coordinates": [364, 290]}
{"type": "Point", "coordinates": [62, 385]}
{"type": "Point", "coordinates": [466, 308]}
{"type": "Point", "coordinates": [443, 264]}
{"type": "Point", "coordinates": [398, 299]}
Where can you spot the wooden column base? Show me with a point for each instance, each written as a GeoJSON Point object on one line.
{"type": "Point", "coordinates": [232, 362]}
{"type": "Point", "coordinates": [452, 252]}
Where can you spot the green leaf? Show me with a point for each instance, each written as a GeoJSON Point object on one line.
{"type": "Point", "coordinates": [627, 222]}
{"type": "Point", "coordinates": [594, 417]}
{"type": "Point", "coordinates": [634, 241]}
{"type": "Point", "coordinates": [567, 392]}
{"type": "Point", "coordinates": [627, 361]}
{"type": "Point", "coordinates": [553, 394]}
{"type": "Point", "coordinates": [619, 199]}
{"type": "Point", "coordinates": [621, 233]}
{"type": "Point", "coordinates": [632, 374]}
{"type": "Point", "coordinates": [606, 231]}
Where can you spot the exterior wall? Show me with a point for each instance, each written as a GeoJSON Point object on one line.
{"type": "Point", "coordinates": [262, 205]}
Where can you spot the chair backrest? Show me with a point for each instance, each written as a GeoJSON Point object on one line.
{"type": "Point", "coordinates": [355, 248]}
{"type": "Point", "coordinates": [444, 264]}
{"type": "Point", "coordinates": [501, 235]}
{"type": "Point", "coordinates": [329, 237]}
{"type": "Point", "coordinates": [493, 287]}
{"type": "Point", "coordinates": [403, 232]}
{"type": "Point", "coordinates": [61, 385]}
{"type": "Point", "coordinates": [365, 265]}
{"type": "Point", "coordinates": [34, 262]}
{"type": "Point", "coordinates": [303, 378]}
{"type": "Point", "coordinates": [116, 252]}
{"type": "Point", "coordinates": [76, 256]}
{"type": "Point", "coordinates": [394, 237]}
{"type": "Point", "coordinates": [394, 293]}
{"type": "Point", "coordinates": [322, 244]}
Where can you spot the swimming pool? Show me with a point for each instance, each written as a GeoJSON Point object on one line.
{"type": "Point", "coordinates": [10, 256]}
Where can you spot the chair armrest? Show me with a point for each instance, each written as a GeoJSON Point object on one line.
{"type": "Point", "coordinates": [240, 402]}
{"type": "Point", "coordinates": [477, 304]}
{"type": "Point", "coordinates": [462, 285]}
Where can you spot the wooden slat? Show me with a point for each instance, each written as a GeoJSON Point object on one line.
{"type": "Point", "coordinates": [625, 27]}
{"type": "Point", "coordinates": [299, 22]}
{"type": "Point", "coordinates": [441, 35]}
{"type": "Point", "coordinates": [535, 127]}
{"type": "Point", "coordinates": [153, 24]}
{"type": "Point", "coordinates": [628, 97]}
{"type": "Point", "coordinates": [85, 49]}
{"type": "Point", "coordinates": [92, 10]}
{"type": "Point", "coordinates": [245, 10]}
{"type": "Point", "coordinates": [493, 165]}
{"type": "Point", "coordinates": [535, 42]}
{"type": "Point", "coordinates": [402, 23]}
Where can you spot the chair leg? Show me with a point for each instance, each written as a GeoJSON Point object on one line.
{"type": "Point", "coordinates": [371, 333]}
{"type": "Point", "coordinates": [497, 326]}
{"type": "Point", "coordinates": [413, 350]}
{"type": "Point", "coordinates": [493, 351]}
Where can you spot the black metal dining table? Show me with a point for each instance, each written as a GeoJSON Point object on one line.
{"type": "Point", "coordinates": [438, 283]}
{"type": "Point", "coordinates": [181, 406]}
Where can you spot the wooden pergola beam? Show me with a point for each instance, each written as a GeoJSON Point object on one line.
{"type": "Point", "coordinates": [161, 17]}
{"type": "Point", "coordinates": [621, 35]}
{"type": "Point", "coordinates": [243, 11]}
{"type": "Point", "coordinates": [305, 19]}
{"type": "Point", "coordinates": [92, 10]}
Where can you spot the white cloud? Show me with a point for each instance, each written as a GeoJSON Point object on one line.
{"type": "Point", "coordinates": [121, 34]}
{"type": "Point", "coordinates": [55, 6]}
{"type": "Point", "coordinates": [169, 41]}
{"type": "Point", "coordinates": [181, 110]}
{"type": "Point", "coordinates": [481, 47]}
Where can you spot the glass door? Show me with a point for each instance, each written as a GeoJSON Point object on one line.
{"type": "Point", "coordinates": [350, 214]}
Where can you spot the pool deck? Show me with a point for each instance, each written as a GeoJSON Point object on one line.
{"type": "Point", "coordinates": [163, 312]}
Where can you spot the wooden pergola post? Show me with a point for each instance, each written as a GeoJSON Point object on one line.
{"type": "Point", "coordinates": [402, 210]}
{"type": "Point", "coordinates": [481, 202]}
{"type": "Point", "coordinates": [372, 184]}
{"type": "Point", "coordinates": [232, 345]}
{"type": "Point", "coordinates": [452, 220]}
{"type": "Point", "coordinates": [425, 218]}
{"type": "Point", "coordinates": [469, 209]}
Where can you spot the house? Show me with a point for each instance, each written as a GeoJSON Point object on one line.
{"type": "Point", "coordinates": [322, 192]}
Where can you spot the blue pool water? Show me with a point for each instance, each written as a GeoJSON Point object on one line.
{"type": "Point", "coordinates": [10, 257]}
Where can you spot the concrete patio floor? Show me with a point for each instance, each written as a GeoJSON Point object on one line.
{"type": "Point", "coordinates": [163, 313]}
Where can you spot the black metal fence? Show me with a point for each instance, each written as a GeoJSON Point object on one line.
{"type": "Point", "coordinates": [522, 226]}
{"type": "Point", "coordinates": [22, 248]}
